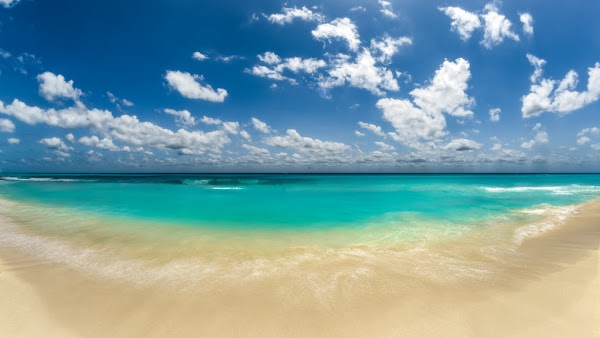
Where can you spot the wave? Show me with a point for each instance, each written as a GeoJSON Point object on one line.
{"type": "Point", "coordinates": [552, 217]}
{"type": "Point", "coordinates": [223, 182]}
{"type": "Point", "coordinates": [43, 179]}
{"type": "Point", "coordinates": [572, 189]}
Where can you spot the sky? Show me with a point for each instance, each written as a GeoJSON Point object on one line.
{"type": "Point", "coordinates": [299, 86]}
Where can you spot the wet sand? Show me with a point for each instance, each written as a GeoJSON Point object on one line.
{"type": "Point", "coordinates": [554, 291]}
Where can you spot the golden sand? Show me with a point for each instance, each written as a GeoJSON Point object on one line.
{"type": "Point", "coordinates": [549, 288]}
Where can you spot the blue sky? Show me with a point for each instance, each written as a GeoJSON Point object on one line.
{"type": "Point", "coordinates": [327, 86]}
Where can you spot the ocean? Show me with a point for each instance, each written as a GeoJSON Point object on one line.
{"type": "Point", "coordinates": [319, 233]}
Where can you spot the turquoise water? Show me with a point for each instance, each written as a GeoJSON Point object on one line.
{"type": "Point", "coordinates": [315, 235]}
{"type": "Point", "coordinates": [303, 202]}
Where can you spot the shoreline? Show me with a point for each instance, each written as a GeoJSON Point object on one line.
{"type": "Point", "coordinates": [40, 299]}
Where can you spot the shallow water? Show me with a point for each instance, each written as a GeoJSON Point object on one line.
{"type": "Point", "coordinates": [311, 236]}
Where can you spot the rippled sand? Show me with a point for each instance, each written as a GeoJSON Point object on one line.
{"type": "Point", "coordinates": [532, 278]}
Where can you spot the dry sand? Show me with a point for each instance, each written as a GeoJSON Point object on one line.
{"type": "Point", "coordinates": [561, 300]}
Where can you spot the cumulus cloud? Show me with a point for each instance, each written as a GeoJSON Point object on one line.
{"type": "Point", "coordinates": [277, 66]}
{"type": "Point", "coordinates": [199, 56]}
{"type": "Point", "coordinates": [183, 117]}
{"type": "Point", "coordinates": [269, 58]}
{"type": "Point", "coordinates": [547, 95]}
{"type": "Point", "coordinates": [124, 128]}
{"type": "Point", "coordinates": [56, 87]}
{"type": "Point", "coordinates": [386, 9]}
{"type": "Point", "coordinates": [245, 135]}
{"type": "Point", "coordinates": [582, 136]}
{"type": "Point", "coordinates": [260, 126]}
{"type": "Point", "coordinates": [210, 121]}
{"type": "Point", "coordinates": [231, 127]}
{"type": "Point", "coordinates": [496, 27]}
{"type": "Point", "coordinates": [293, 140]}
{"type": "Point", "coordinates": [363, 74]}
{"type": "Point", "coordinates": [339, 29]}
{"type": "Point", "coordinates": [462, 144]}
{"type": "Point", "coordinates": [541, 137]}
{"type": "Point", "coordinates": [423, 118]}
{"type": "Point", "coordinates": [527, 21]}
{"type": "Point", "coordinates": [55, 143]}
{"type": "Point", "coordinates": [495, 114]}
{"type": "Point", "coordinates": [463, 22]}
{"type": "Point", "coordinates": [256, 151]}
{"type": "Point", "coordinates": [358, 133]}
{"type": "Point", "coordinates": [188, 86]}
{"type": "Point", "coordinates": [384, 146]}
{"type": "Point", "coordinates": [7, 126]}
{"type": "Point", "coordinates": [105, 143]}
{"type": "Point", "coordinates": [388, 46]}
{"type": "Point", "coordinates": [13, 140]}
{"type": "Point", "coordinates": [375, 129]}
{"type": "Point", "coordinates": [289, 14]}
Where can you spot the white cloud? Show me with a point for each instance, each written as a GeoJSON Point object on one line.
{"type": "Point", "coordinates": [54, 86]}
{"type": "Point", "coordinates": [547, 95]}
{"type": "Point", "coordinates": [113, 99]}
{"type": "Point", "coordinates": [358, 9]}
{"type": "Point", "coordinates": [362, 74]}
{"type": "Point", "coordinates": [55, 143]}
{"type": "Point", "coordinates": [245, 135]}
{"type": "Point", "coordinates": [188, 86]}
{"type": "Point", "coordinates": [462, 144]}
{"type": "Point", "coordinates": [388, 46]}
{"type": "Point", "coordinates": [463, 22]}
{"type": "Point", "coordinates": [269, 58]}
{"type": "Point", "coordinates": [495, 114]}
{"type": "Point", "coordinates": [210, 121]}
{"type": "Point", "coordinates": [230, 127]}
{"type": "Point", "coordinates": [7, 126]}
{"type": "Point", "coordinates": [424, 117]}
{"type": "Point", "coordinates": [125, 128]}
{"type": "Point", "coordinates": [260, 126]}
{"type": "Point", "coordinates": [527, 21]}
{"type": "Point", "coordinates": [386, 9]}
{"type": "Point", "coordinates": [541, 137]}
{"type": "Point", "coordinates": [293, 140]}
{"type": "Point", "coordinates": [497, 27]}
{"type": "Point", "coordinates": [373, 128]}
{"type": "Point", "coordinates": [294, 65]}
{"type": "Point", "coordinates": [358, 133]}
{"type": "Point", "coordinates": [127, 103]}
{"type": "Point", "coordinates": [583, 139]}
{"type": "Point", "coordinates": [70, 137]}
{"type": "Point", "coordinates": [340, 28]}
{"type": "Point", "coordinates": [183, 117]}
{"type": "Point", "coordinates": [266, 72]}
{"type": "Point", "coordinates": [230, 58]}
{"type": "Point", "coordinates": [94, 141]}
{"type": "Point", "coordinates": [8, 3]}
{"type": "Point", "coordinates": [446, 92]}
{"type": "Point", "coordinates": [199, 56]}
{"type": "Point", "coordinates": [13, 140]}
{"type": "Point", "coordinates": [262, 152]}
{"type": "Point", "coordinates": [384, 146]}
{"type": "Point", "coordinates": [289, 14]}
